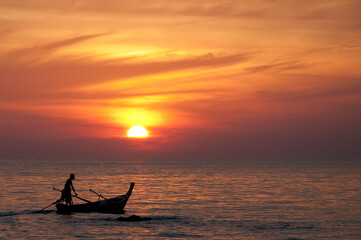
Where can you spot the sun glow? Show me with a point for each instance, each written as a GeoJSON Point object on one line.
{"type": "Point", "coordinates": [137, 132]}
{"type": "Point", "coordinates": [136, 116]}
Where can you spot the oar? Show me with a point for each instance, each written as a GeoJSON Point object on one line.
{"type": "Point", "coordinates": [48, 206]}
{"type": "Point", "coordinates": [97, 194]}
{"type": "Point", "coordinates": [74, 196]}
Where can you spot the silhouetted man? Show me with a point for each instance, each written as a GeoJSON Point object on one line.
{"type": "Point", "coordinates": [66, 192]}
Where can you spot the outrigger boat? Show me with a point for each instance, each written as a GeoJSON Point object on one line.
{"type": "Point", "coordinates": [107, 205]}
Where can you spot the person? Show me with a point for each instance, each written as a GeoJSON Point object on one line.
{"type": "Point", "coordinates": [66, 192]}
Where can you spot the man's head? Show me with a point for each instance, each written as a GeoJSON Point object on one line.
{"type": "Point", "coordinates": [72, 176]}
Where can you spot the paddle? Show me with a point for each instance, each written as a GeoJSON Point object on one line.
{"type": "Point", "coordinates": [74, 196]}
{"type": "Point", "coordinates": [48, 206]}
{"type": "Point", "coordinates": [97, 194]}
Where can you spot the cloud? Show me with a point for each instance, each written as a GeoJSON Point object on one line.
{"type": "Point", "coordinates": [286, 139]}
{"type": "Point", "coordinates": [6, 27]}
{"type": "Point", "coordinates": [278, 67]}
{"type": "Point", "coordinates": [203, 8]}
{"type": "Point", "coordinates": [21, 81]}
{"type": "Point", "coordinates": [31, 124]}
{"type": "Point", "coordinates": [34, 54]}
{"type": "Point", "coordinates": [311, 94]}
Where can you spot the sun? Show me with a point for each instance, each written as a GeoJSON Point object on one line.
{"type": "Point", "coordinates": [137, 132]}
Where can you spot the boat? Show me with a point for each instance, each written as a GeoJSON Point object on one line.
{"type": "Point", "coordinates": [109, 205]}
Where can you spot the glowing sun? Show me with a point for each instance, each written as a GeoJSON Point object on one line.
{"type": "Point", "coordinates": [137, 132]}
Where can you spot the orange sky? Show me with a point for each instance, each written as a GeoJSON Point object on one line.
{"type": "Point", "coordinates": [206, 78]}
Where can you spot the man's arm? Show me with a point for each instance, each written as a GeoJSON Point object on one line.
{"type": "Point", "coordinates": [73, 189]}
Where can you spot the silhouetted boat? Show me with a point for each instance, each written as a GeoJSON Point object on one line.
{"type": "Point", "coordinates": [110, 205]}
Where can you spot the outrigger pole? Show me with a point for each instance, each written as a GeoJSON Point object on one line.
{"type": "Point", "coordinates": [97, 194]}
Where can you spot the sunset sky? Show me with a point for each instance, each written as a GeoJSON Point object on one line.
{"type": "Point", "coordinates": [255, 78]}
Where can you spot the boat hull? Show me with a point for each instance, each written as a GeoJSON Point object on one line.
{"type": "Point", "coordinates": [112, 205]}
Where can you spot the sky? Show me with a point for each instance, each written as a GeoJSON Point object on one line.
{"type": "Point", "coordinates": [208, 78]}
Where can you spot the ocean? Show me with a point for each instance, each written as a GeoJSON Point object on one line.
{"type": "Point", "coordinates": [293, 199]}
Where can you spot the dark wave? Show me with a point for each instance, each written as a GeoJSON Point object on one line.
{"type": "Point", "coordinates": [164, 217]}
{"type": "Point", "coordinates": [12, 213]}
{"type": "Point", "coordinates": [259, 226]}
{"type": "Point", "coordinates": [293, 239]}
{"type": "Point", "coordinates": [177, 235]}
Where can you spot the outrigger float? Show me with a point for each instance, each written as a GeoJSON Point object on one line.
{"type": "Point", "coordinates": [107, 205]}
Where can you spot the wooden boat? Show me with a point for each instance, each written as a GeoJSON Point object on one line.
{"type": "Point", "coordinates": [110, 205]}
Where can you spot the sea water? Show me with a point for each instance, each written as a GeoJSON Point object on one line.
{"type": "Point", "coordinates": [186, 198]}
